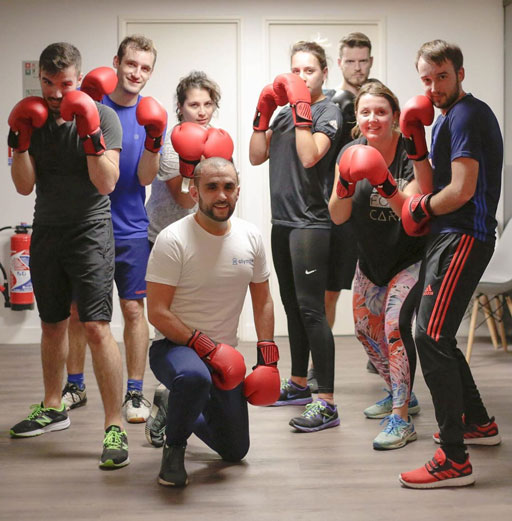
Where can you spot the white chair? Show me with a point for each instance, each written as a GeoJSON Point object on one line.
{"type": "Point", "coordinates": [497, 283]}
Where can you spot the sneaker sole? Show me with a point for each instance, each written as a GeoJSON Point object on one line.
{"type": "Point", "coordinates": [76, 405]}
{"type": "Point", "coordinates": [327, 425]}
{"type": "Point", "coordinates": [155, 442]}
{"type": "Point", "coordinates": [488, 440]}
{"type": "Point", "coordinates": [162, 481]}
{"type": "Point", "coordinates": [463, 481]}
{"type": "Point", "coordinates": [59, 426]}
{"type": "Point", "coordinates": [110, 465]}
{"type": "Point", "coordinates": [397, 445]}
{"type": "Point", "coordinates": [412, 411]}
{"type": "Point", "coordinates": [298, 401]}
{"type": "Point", "coordinates": [137, 419]}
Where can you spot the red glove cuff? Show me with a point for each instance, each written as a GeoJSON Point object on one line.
{"type": "Point", "coordinates": [268, 352]}
{"type": "Point", "coordinates": [94, 144]}
{"type": "Point", "coordinates": [302, 116]}
{"type": "Point", "coordinates": [153, 144]}
{"type": "Point", "coordinates": [201, 343]}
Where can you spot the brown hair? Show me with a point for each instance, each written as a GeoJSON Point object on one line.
{"type": "Point", "coordinates": [59, 56]}
{"type": "Point", "coordinates": [139, 42]}
{"type": "Point", "coordinates": [313, 48]}
{"type": "Point", "coordinates": [439, 51]}
{"type": "Point", "coordinates": [195, 80]}
{"type": "Point", "coordinates": [354, 40]}
{"type": "Point", "coordinates": [375, 88]}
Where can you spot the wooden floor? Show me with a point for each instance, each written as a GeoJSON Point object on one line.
{"type": "Point", "coordinates": [331, 475]}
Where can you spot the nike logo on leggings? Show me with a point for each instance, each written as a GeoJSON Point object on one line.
{"type": "Point", "coordinates": [309, 272]}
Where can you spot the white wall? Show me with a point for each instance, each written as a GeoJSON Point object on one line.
{"type": "Point", "coordinates": [93, 27]}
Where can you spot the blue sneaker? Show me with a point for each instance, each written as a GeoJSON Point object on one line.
{"type": "Point", "coordinates": [318, 415]}
{"type": "Point", "coordinates": [292, 394]}
{"type": "Point", "coordinates": [396, 434]}
{"type": "Point", "coordinates": [384, 407]}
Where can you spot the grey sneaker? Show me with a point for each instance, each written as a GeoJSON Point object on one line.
{"type": "Point", "coordinates": [157, 420]}
{"type": "Point", "coordinates": [172, 469]}
{"type": "Point", "coordinates": [292, 394]}
{"type": "Point", "coordinates": [115, 449]}
{"type": "Point", "coordinates": [384, 407]}
{"type": "Point", "coordinates": [73, 396]}
{"type": "Point", "coordinates": [40, 420]}
{"type": "Point", "coordinates": [396, 434]}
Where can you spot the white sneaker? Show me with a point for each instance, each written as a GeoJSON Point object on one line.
{"type": "Point", "coordinates": [73, 397]}
{"type": "Point", "coordinates": [136, 407]}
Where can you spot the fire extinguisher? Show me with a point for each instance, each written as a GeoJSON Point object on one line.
{"type": "Point", "coordinates": [21, 292]}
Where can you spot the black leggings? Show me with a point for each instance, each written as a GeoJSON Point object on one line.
{"type": "Point", "coordinates": [301, 258]}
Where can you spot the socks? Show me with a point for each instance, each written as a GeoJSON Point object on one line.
{"type": "Point", "coordinates": [134, 385]}
{"type": "Point", "coordinates": [77, 379]}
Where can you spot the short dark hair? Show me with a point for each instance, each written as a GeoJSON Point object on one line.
{"type": "Point", "coordinates": [439, 51]}
{"type": "Point", "coordinates": [354, 40]}
{"type": "Point", "coordinates": [195, 80]}
{"type": "Point", "coordinates": [215, 162]}
{"type": "Point", "coordinates": [139, 42]}
{"type": "Point", "coordinates": [59, 56]}
{"type": "Point", "coordinates": [313, 48]}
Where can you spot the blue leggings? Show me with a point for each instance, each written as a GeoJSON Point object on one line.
{"type": "Point", "coordinates": [196, 406]}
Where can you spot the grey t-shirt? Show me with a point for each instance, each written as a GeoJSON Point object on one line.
{"type": "Point", "coordinates": [299, 196]}
{"type": "Point", "coordinates": [64, 193]}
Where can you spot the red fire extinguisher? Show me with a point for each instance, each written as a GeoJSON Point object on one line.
{"type": "Point", "coordinates": [22, 294]}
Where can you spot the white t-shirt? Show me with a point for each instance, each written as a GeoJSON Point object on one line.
{"type": "Point", "coordinates": [211, 273]}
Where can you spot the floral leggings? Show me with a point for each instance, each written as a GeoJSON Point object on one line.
{"type": "Point", "coordinates": [383, 318]}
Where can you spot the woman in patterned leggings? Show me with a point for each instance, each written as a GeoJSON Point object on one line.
{"type": "Point", "coordinates": [384, 290]}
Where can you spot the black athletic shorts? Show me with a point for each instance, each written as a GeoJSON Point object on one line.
{"type": "Point", "coordinates": [342, 257]}
{"type": "Point", "coordinates": [73, 263]}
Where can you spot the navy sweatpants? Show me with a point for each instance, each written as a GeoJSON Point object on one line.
{"type": "Point", "coordinates": [219, 418]}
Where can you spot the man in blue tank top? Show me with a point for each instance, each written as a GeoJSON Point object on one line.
{"type": "Point", "coordinates": [139, 164]}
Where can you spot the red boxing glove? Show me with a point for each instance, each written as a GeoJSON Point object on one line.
{"type": "Point", "coordinates": [188, 140]}
{"type": "Point", "coordinates": [262, 386]}
{"type": "Point", "coordinates": [77, 104]}
{"type": "Point", "coordinates": [98, 82]}
{"type": "Point", "coordinates": [226, 362]}
{"type": "Point", "coordinates": [346, 186]}
{"type": "Point", "coordinates": [292, 88]}
{"type": "Point", "coordinates": [416, 215]}
{"type": "Point", "coordinates": [153, 117]}
{"type": "Point", "coordinates": [416, 113]}
{"type": "Point", "coordinates": [267, 103]}
{"type": "Point", "coordinates": [27, 114]}
{"type": "Point", "coordinates": [218, 144]}
{"type": "Point", "coordinates": [367, 162]}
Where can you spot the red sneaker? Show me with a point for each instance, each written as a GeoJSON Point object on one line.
{"type": "Point", "coordinates": [479, 434]}
{"type": "Point", "coordinates": [439, 472]}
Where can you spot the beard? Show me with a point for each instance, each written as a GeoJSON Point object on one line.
{"type": "Point", "coordinates": [209, 211]}
{"type": "Point", "coordinates": [450, 98]}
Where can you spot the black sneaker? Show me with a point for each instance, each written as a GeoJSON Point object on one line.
{"type": "Point", "coordinates": [312, 381]}
{"type": "Point", "coordinates": [172, 470]}
{"type": "Point", "coordinates": [115, 449]}
{"type": "Point", "coordinates": [157, 421]}
{"type": "Point", "coordinates": [73, 396]}
{"type": "Point", "coordinates": [318, 415]}
{"type": "Point", "coordinates": [40, 420]}
{"type": "Point", "coordinates": [292, 394]}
